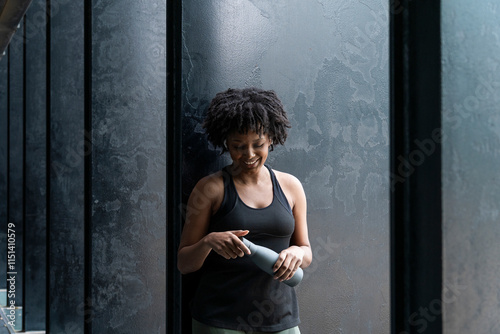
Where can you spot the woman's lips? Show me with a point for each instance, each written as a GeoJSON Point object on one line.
{"type": "Point", "coordinates": [251, 163]}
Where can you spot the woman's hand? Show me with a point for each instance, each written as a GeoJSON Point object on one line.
{"type": "Point", "coordinates": [288, 262]}
{"type": "Point", "coordinates": [228, 244]}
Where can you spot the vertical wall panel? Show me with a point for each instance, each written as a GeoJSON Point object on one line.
{"type": "Point", "coordinates": [16, 157]}
{"type": "Point", "coordinates": [129, 166]}
{"type": "Point", "coordinates": [66, 281]}
{"type": "Point", "coordinates": [328, 61]}
{"type": "Point", "coordinates": [471, 156]}
{"type": "Point", "coordinates": [35, 234]}
{"type": "Point", "coordinates": [3, 168]}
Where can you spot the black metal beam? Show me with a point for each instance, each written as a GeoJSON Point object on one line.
{"type": "Point", "coordinates": [174, 161]}
{"type": "Point", "coordinates": [416, 222]}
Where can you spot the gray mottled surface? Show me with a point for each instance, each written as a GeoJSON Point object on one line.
{"type": "Point", "coordinates": [129, 166]}
{"type": "Point", "coordinates": [36, 187]}
{"type": "Point", "coordinates": [471, 156]}
{"type": "Point", "coordinates": [328, 61]}
{"type": "Point", "coordinates": [66, 169]}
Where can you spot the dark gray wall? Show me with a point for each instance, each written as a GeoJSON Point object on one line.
{"type": "Point", "coordinates": [35, 169]}
{"type": "Point", "coordinates": [16, 152]}
{"type": "Point", "coordinates": [87, 177]}
{"type": "Point", "coordinates": [129, 166]}
{"type": "Point", "coordinates": [66, 192]}
{"type": "Point", "coordinates": [105, 217]}
{"type": "Point", "coordinates": [4, 124]}
{"type": "Point", "coordinates": [328, 61]}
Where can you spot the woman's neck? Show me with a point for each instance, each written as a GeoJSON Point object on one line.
{"type": "Point", "coordinates": [246, 177]}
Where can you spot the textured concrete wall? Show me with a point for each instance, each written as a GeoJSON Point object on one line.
{"type": "Point", "coordinates": [105, 220]}
{"type": "Point", "coordinates": [129, 166]}
{"type": "Point", "coordinates": [471, 156]}
{"type": "Point", "coordinates": [35, 169]}
{"type": "Point", "coordinates": [15, 162]}
{"type": "Point", "coordinates": [66, 194]}
{"type": "Point", "coordinates": [3, 166]}
{"type": "Point", "coordinates": [328, 61]}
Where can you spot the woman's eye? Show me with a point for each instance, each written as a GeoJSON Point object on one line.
{"type": "Point", "coordinates": [239, 148]}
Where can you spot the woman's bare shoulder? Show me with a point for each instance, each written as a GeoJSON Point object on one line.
{"type": "Point", "coordinates": [212, 178]}
{"type": "Point", "coordinates": [209, 191]}
{"type": "Point", "coordinates": [211, 183]}
{"type": "Point", "coordinates": [287, 179]}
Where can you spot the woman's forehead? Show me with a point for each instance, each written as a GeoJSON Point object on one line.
{"type": "Point", "coordinates": [249, 135]}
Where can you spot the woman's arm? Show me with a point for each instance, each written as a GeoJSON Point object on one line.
{"type": "Point", "coordinates": [299, 253]}
{"type": "Point", "coordinates": [196, 244]}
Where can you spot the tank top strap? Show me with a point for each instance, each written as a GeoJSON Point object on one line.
{"type": "Point", "coordinates": [278, 192]}
{"type": "Point", "coordinates": [230, 194]}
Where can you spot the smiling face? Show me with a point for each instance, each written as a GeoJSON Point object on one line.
{"type": "Point", "coordinates": [248, 150]}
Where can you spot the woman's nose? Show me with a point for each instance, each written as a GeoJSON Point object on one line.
{"type": "Point", "coordinates": [249, 152]}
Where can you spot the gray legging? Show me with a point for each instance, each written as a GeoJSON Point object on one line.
{"type": "Point", "coordinates": [199, 328]}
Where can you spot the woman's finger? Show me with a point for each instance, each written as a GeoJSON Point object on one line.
{"type": "Point", "coordinates": [293, 270]}
{"type": "Point", "coordinates": [288, 267]}
{"type": "Point", "coordinates": [278, 264]}
{"type": "Point", "coordinates": [239, 244]}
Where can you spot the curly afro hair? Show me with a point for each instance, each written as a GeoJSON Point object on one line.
{"type": "Point", "coordinates": [243, 110]}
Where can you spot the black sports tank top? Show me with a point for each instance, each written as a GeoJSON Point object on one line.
{"type": "Point", "coordinates": [235, 293]}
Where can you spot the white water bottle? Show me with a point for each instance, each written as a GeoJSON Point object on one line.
{"type": "Point", "coordinates": [265, 259]}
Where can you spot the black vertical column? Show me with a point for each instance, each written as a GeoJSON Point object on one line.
{"type": "Point", "coordinates": [174, 172]}
{"type": "Point", "coordinates": [416, 167]}
{"type": "Point", "coordinates": [36, 194]}
{"type": "Point", "coordinates": [66, 168]}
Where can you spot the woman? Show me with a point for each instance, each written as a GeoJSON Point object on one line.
{"type": "Point", "coordinates": [246, 198]}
